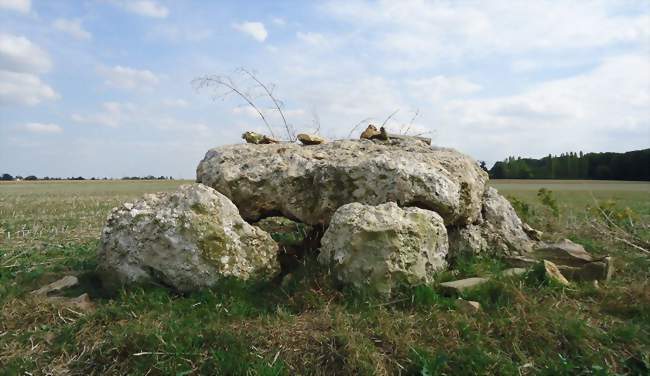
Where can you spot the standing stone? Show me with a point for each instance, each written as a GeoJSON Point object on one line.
{"type": "Point", "coordinates": [466, 241]}
{"type": "Point", "coordinates": [501, 227]}
{"type": "Point", "coordinates": [379, 247]}
{"type": "Point", "coordinates": [187, 239]}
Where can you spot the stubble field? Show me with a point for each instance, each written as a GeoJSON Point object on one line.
{"type": "Point", "coordinates": [527, 326]}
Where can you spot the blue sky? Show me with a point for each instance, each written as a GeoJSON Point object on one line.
{"type": "Point", "coordinates": [103, 87]}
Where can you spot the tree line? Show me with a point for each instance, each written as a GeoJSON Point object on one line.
{"type": "Point", "coordinates": [632, 165]}
{"type": "Point", "coordinates": [9, 177]}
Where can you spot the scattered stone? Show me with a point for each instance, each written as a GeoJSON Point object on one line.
{"type": "Point", "coordinates": [187, 239]}
{"type": "Point", "coordinates": [258, 139]}
{"type": "Point", "coordinates": [531, 232]}
{"type": "Point", "coordinates": [310, 139]}
{"type": "Point", "coordinates": [308, 184]}
{"type": "Point", "coordinates": [513, 272]}
{"type": "Point", "coordinates": [552, 272]}
{"type": "Point", "coordinates": [565, 253]}
{"type": "Point", "coordinates": [519, 261]}
{"type": "Point", "coordinates": [595, 284]}
{"type": "Point", "coordinates": [379, 247]}
{"type": "Point", "coordinates": [56, 286]}
{"type": "Point", "coordinates": [82, 302]}
{"type": "Point", "coordinates": [383, 135]}
{"type": "Point", "coordinates": [597, 270]}
{"type": "Point", "coordinates": [370, 132]}
{"type": "Point", "coordinates": [457, 287]}
{"type": "Point", "coordinates": [467, 306]}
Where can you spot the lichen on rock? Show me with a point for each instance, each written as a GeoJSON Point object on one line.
{"type": "Point", "coordinates": [187, 239]}
{"type": "Point", "coordinates": [310, 184]}
{"type": "Point", "coordinates": [379, 247]}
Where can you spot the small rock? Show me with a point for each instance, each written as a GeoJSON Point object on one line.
{"type": "Point", "coordinates": [82, 302]}
{"type": "Point", "coordinates": [370, 133]}
{"type": "Point", "coordinates": [520, 261]}
{"type": "Point", "coordinates": [310, 139]}
{"type": "Point", "coordinates": [456, 287]}
{"type": "Point", "coordinates": [258, 139]}
{"type": "Point", "coordinates": [467, 306]}
{"type": "Point", "coordinates": [63, 283]}
{"type": "Point", "coordinates": [565, 252]}
{"type": "Point", "coordinates": [597, 270]}
{"type": "Point", "coordinates": [512, 272]}
{"type": "Point", "coordinates": [383, 135]}
{"type": "Point", "coordinates": [553, 273]}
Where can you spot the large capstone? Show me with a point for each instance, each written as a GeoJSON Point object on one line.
{"type": "Point", "coordinates": [379, 247]}
{"type": "Point", "coordinates": [186, 239]}
{"type": "Point", "coordinates": [309, 184]}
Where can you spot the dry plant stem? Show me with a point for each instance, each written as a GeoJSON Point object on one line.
{"type": "Point", "coordinates": [357, 125]}
{"type": "Point", "coordinates": [415, 115]}
{"type": "Point", "coordinates": [389, 117]}
{"type": "Point", "coordinates": [276, 103]}
{"type": "Point", "coordinates": [227, 83]}
{"type": "Point", "coordinates": [637, 247]}
{"type": "Point", "coordinates": [617, 227]}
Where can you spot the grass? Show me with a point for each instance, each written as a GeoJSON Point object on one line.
{"type": "Point", "coordinates": [308, 325]}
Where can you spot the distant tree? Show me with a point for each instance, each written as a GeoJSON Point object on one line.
{"type": "Point", "coordinates": [18, 177]}
{"type": "Point", "coordinates": [31, 177]}
{"type": "Point", "coordinates": [633, 165]}
{"type": "Point", "coordinates": [483, 166]}
{"type": "Point", "coordinates": [6, 177]}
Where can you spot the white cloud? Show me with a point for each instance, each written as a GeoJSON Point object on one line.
{"type": "Point", "coordinates": [129, 78]}
{"type": "Point", "coordinates": [19, 54]}
{"type": "Point", "coordinates": [23, 89]}
{"type": "Point", "coordinates": [557, 115]}
{"type": "Point", "coordinates": [22, 6]}
{"type": "Point", "coordinates": [278, 21]}
{"type": "Point", "coordinates": [440, 88]}
{"type": "Point", "coordinates": [177, 103]}
{"type": "Point", "coordinates": [113, 114]}
{"type": "Point", "coordinates": [72, 27]}
{"type": "Point", "coordinates": [43, 128]}
{"type": "Point", "coordinates": [176, 34]}
{"type": "Point", "coordinates": [312, 38]}
{"type": "Point", "coordinates": [146, 8]}
{"type": "Point", "coordinates": [254, 29]}
{"type": "Point", "coordinates": [424, 32]}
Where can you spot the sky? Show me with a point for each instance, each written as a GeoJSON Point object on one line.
{"type": "Point", "coordinates": [104, 87]}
